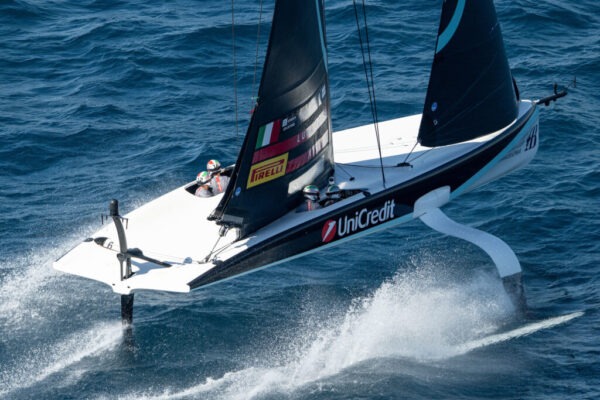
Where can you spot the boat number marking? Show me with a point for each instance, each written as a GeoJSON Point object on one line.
{"type": "Point", "coordinates": [531, 141]}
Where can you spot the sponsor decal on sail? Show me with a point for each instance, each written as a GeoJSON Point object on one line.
{"type": "Point", "coordinates": [313, 106]}
{"type": "Point", "coordinates": [268, 134]}
{"type": "Point", "coordinates": [309, 155]}
{"type": "Point", "coordinates": [288, 123]}
{"type": "Point", "coordinates": [361, 220]}
{"type": "Point", "coordinates": [286, 145]}
{"type": "Point", "coordinates": [267, 170]}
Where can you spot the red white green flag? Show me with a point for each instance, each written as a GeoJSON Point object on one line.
{"type": "Point", "coordinates": [268, 134]}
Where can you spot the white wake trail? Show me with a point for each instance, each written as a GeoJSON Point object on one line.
{"type": "Point", "coordinates": [516, 333]}
{"type": "Point", "coordinates": [36, 310]}
{"type": "Point", "coordinates": [46, 360]}
{"type": "Point", "coordinates": [22, 286]}
{"type": "Point", "coordinates": [419, 315]}
{"type": "Point", "coordinates": [31, 291]}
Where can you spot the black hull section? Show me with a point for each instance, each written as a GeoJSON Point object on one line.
{"type": "Point", "coordinates": [365, 214]}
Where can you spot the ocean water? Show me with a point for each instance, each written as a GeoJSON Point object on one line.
{"type": "Point", "coordinates": [128, 99]}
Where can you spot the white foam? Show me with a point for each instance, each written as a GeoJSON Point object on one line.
{"type": "Point", "coordinates": [420, 315]}
{"type": "Point", "coordinates": [516, 333]}
{"type": "Point", "coordinates": [29, 275]}
{"type": "Point", "coordinates": [45, 360]}
{"type": "Point", "coordinates": [34, 300]}
{"type": "Point", "coordinates": [32, 290]}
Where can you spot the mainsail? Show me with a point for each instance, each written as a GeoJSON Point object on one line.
{"type": "Point", "coordinates": [470, 91]}
{"type": "Point", "coordinates": [288, 143]}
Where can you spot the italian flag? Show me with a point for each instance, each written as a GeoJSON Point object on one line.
{"type": "Point", "coordinates": [268, 134]}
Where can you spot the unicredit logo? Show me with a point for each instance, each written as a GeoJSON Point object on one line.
{"type": "Point", "coordinates": [362, 219]}
{"type": "Point", "coordinates": [328, 232]}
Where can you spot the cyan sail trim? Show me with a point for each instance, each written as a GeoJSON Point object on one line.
{"type": "Point", "coordinates": [450, 30]}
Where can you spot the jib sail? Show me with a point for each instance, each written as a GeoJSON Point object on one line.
{"type": "Point", "coordinates": [470, 91]}
{"type": "Point", "coordinates": [288, 143]}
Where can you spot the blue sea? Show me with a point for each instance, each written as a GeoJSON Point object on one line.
{"type": "Point", "coordinates": [129, 99]}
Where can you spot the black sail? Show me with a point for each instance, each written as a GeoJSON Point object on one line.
{"type": "Point", "coordinates": [470, 91]}
{"type": "Point", "coordinates": [288, 143]}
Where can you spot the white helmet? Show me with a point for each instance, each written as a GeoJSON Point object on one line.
{"type": "Point", "coordinates": [203, 178]}
{"type": "Point", "coordinates": [333, 192]}
{"type": "Point", "coordinates": [311, 192]}
{"type": "Point", "coordinates": [213, 166]}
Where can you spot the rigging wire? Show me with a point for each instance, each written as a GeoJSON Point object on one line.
{"type": "Point", "coordinates": [207, 258]}
{"type": "Point", "coordinates": [409, 153]}
{"type": "Point", "coordinates": [402, 164]}
{"type": "Point", "coordinates": [254, 97]}
{"type": "Point", "coordinates": [235, 94]}
{"type": "Point", "coordinates": [370, 80]}
{"type": "Point", "coordinates": [350, 176]}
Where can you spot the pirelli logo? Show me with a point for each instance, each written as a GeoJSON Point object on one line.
{"type": "Point", "coordinates": [267, 170]}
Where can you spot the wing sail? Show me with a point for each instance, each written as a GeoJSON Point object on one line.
{"type": "Point", "coordinates": [288, 144]}
{"type": "Point", "coordinates": [471, 91]}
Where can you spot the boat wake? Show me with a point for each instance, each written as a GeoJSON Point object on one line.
{"type": "Point", "coordinates": [20, 290]}
{"type": "Point", "coordinates": [516, 333]}
{"type": "Point", "coordinates": [33, 301]}
{"type": "Point", "coordinates": [423, 316]}
{"type": "Point", "coordinates": [31, 292]}
{"type": "Point", "coordinates": [61, 358]}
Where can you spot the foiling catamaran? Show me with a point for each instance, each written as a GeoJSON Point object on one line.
{"type": "Point", "coordinates": [474, 128]}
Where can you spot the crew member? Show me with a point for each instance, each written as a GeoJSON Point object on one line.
{"type": "Point", "coordinates": [311, 199]}
{"type": "Point", "coordinates": [218, 182]}
{"type": "Point", "coordinates": [204, 187]}
{"type": "Point", "coordinates": [333, 193]}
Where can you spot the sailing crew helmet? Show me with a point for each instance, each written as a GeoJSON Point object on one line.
{"type": "Point", "coordinates": [333, 192]}
{"type": "Point", "coordinates": [213, 166]}
{"type": "Point", "coordinates": [311, 192]}
{"type": "Point", "coordinates": [203, 178]}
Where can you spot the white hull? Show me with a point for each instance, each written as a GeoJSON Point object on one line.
{"type": "Point", "coordinates": [173, 228]}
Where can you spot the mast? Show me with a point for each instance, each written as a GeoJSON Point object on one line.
{"type": "Point", "coordinates": [470, 91]}
{"type": "Point", "coordinates": [288, 144]}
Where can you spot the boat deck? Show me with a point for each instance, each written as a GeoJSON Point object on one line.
{"type": "Point", "coordinates": [173, 228]}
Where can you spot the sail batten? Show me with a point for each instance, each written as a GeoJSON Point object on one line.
{"type": "Point", "coordinates": [288, 142]}
{"type": "Point", "coordinates": [470, 92]}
